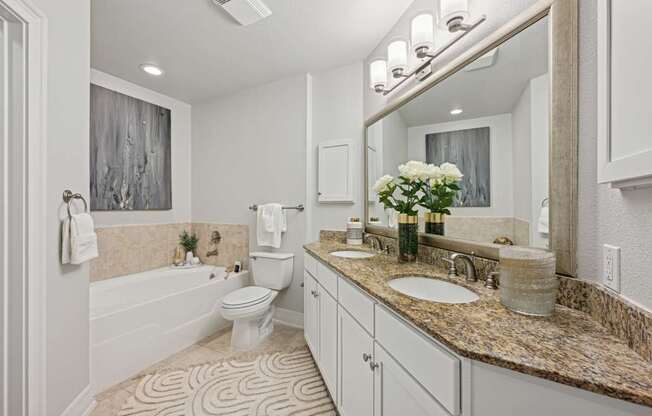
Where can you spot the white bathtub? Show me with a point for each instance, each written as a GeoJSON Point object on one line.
{"type": "Point", "coordinates": [139, 319]}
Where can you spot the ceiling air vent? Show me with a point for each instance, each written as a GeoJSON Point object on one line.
{"type": "Point", "coordinates": [245, 12]}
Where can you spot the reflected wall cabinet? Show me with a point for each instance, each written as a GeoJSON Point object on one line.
{"type": "Point", "coordinates": [624, 91]}
{"type": "Point", "coordinates": [335, 175]}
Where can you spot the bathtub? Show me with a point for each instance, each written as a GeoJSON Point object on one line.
{"type": "Point", "coordinates": [140, 319]}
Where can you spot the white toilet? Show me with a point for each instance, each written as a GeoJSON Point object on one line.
{"type": "Point", "coordinates": [250, 308]}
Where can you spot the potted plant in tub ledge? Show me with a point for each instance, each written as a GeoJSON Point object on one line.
{"type": "Point", "coordinates": [189, 243]}
{"type": "Point", "coordinates": [439, 191]}
{"type": "Point", "coordinates": [409, 184]}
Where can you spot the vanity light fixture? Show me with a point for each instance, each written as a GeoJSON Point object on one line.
{"type": "Point", "coordinates": [422, 36]}
{"type": "Point", "coordinates": [456, 111]}
{"type": "Point", "coordinates": [152, 69]}
{"type": "Point", "coordinates": [452, 14]}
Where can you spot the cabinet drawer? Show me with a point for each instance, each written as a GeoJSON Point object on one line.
{"type": "Point", "coordinates": [359, 305]}
{"type": "Point", "coordinates": [310, 264]}
{"type": "Point", "coordinates": [434, 368]}
{"type": "Point", "coordinates": [327, 278]}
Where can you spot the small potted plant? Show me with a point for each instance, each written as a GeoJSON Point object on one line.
{"type": "Point", "coordinates": [189, 243]}
{"type": "Point", "coordinates": [439, 192]}
{"type": "Point", "coordinates": [409, 184]}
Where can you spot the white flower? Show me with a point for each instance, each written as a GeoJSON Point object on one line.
{"type": "Point", "coordinates": [414, 170]}
{"type": "Point", "coordinates": [382, 183]}
{"type": "Point", "coordinates": [450, 173]}
{"type": "Point", "coordinates": [434, 174]}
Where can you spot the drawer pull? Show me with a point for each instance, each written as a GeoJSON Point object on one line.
{"type": "Point", "coordinates": [366, 357]}
{"type": "Point", "coordinates": [373, 366]}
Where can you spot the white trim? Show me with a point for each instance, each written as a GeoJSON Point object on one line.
{"type": "Point", "coordinates": [83, 404]}
{"type": "Point", "coordinates": [630, 172]}
{"type": "Point", "coordinates": [288, 317]}
{"type": "Point", "coordinates": [311, 183]}
{"type": "Point", "coordinates": [36, 115]}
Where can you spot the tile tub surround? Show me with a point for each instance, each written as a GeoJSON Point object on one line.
{"type": "Point", "coordinates": [569, 347]}
{"type": "Point", "coordinates": [133, 249]}
{"type": "Point", "coordinates": [630, 323]}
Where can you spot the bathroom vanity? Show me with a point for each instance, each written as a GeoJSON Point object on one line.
{"type": "Point", "coordinates": [383, 353]}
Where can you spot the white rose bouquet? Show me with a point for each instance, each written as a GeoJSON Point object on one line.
{"type": "Point", "coordinates": [409, 184]}
{"type": "Point", "coordinates": [440, 188]}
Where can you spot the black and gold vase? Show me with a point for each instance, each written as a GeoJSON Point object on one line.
{"type": "Point", "coordinates": [408, 238]}
{"type": "Point", "coordinates": [434, 223]}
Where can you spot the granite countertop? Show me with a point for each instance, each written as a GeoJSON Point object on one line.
{"type": "Point", "coordinates": [568, 347]}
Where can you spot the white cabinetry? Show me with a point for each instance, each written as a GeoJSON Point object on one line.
{"type": "Point", "coordinates": [355, 359]}
{"type": "Point", "coordinates": [335, 175]}
{"type": "Point", "coordinates": [310, 313]}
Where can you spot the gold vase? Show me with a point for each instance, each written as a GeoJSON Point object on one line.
{"type": "Point", "coordinates": [434, 222]}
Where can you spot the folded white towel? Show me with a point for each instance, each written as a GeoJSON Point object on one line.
{"type": "Point", "coordinates": [544, 220]}
{"type": "Point", "coordinates": [271, 223]}
{"type": "Point", "coordinates": [78, 239]}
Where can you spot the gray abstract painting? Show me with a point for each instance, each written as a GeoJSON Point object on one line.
{"type": "Point", "coordinates": [130, 142]}
{"type": "Point", "coordinates": [470, 150]}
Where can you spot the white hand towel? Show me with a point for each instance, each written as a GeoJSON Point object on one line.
{"type": "Point", "coordinates": [270, 225]}
{"type": "Point", "coordinates": [544, 219]}
{"type": "Point", "coordinates": [79, 241]}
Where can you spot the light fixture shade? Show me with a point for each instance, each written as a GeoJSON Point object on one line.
{"type": "Point", "coordinates": [397, 55]}
{"type": "Point", "coordinates": [423, 31]}
{"type": "Point", "coordinates": [451, 9]}
{"type": "Point", "coordinates": [378, 74]}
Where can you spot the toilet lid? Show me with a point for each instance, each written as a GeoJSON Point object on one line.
{"type": "Point", "coordinates": [247, 296]}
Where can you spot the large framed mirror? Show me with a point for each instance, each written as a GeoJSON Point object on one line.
{"type": "Point", "coordinates": [505, 113]}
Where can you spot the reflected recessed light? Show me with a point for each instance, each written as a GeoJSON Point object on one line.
{"type": "Point", "coordinates": [456, 111]}
{"type": "Point", "coordinates": [152, 69]}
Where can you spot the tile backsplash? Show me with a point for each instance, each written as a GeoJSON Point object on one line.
{"type": "Point", "coordinates": [137, 248]}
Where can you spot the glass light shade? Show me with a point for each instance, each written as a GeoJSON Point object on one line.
{"type": "Point", "coordinates": [397, 55]}
{"type": "Point", "coordinates": [450, 9]}
{"type": "Point", "coordinates": [423, 31]}
{"type": "Point", "coordinates": [378, 73]}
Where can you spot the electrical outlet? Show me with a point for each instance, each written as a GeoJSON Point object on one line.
{"type": "Point", "coordinates": [611, 267]}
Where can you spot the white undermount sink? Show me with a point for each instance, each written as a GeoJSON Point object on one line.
{"type": "Point", "coordinates": [352, 254]}
{"type": "Point", "coordinates": [432, 290]}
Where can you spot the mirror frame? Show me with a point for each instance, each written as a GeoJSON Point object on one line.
{"type": "Point", "coordinates": [563, 63]}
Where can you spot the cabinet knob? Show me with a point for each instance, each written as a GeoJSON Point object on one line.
{"type": "Point", "coordinates": [366, 357]}
{"type": "Point", "coordinates": [373, 365]}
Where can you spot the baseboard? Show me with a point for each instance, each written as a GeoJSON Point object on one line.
{"type": "Point", "coordinates": [288, 317]}
{"type": "Point", "coordinates": [83, 404]}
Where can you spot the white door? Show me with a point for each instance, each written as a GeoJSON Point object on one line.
{"type": "Point", "coordinates": [328, 340]}
{"type": "Point", "coordinates": [397, 393]}
{"type": "Point", "coordinates": [355, 352]}
{"type": "Point", "coordinates": [335, 175]}
{"type": "Point", "coordinates": [310, 314]}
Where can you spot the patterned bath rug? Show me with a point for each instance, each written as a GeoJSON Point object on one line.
{"type": "Point", "coordinates": [279, 384]}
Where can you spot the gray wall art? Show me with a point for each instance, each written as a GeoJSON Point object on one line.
{"type": "Point", "coordinates": [470, 150]}
{"type": "Point", "coordinates": [130, 142]}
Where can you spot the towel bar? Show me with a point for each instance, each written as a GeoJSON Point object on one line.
{"type": "Point", "coordinates": [68, 197]}
{"type": "Point", "coordinates": [299, 207]}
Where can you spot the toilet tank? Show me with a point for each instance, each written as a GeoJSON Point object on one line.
{"type": "Point", "coordinates": [272, 270]}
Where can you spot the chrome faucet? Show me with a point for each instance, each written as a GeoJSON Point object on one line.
{"type": "Point", "coordinates": [469, 267]}
{"type": "Point", "coordinates": [376, 244]}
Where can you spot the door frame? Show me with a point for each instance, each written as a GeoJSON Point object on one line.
{"type": "Point", "coordinates": [34, 191]}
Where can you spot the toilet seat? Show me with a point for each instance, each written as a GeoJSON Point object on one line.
{"type": "Point", "coordinates": [246, 297]}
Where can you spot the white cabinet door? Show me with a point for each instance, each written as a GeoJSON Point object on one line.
{"type": "Point", "coordinates": [397, 393]}
{"type": "Point", "coordinates": [355, 354]}
{"type": "Point", "coordinates": [335, 176]}
{"type": "Point", "coordinates": [328, 340]}
{"type": "Point", "coordinates": [310, 314]}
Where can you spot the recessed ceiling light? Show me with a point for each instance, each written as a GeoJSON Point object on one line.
{"type": "Point", "coordinates": [456, 111]}
{"type": "Point", "coordinates": [152, 69]}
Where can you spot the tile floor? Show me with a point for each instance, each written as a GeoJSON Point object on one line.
{"type": "Point", "coordinates": [213, 348]}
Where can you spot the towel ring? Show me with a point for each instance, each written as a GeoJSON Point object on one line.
{"type": "Point", "coordinates": [68, 197]}
{"type": "Point", "coordinates": [545, 202]}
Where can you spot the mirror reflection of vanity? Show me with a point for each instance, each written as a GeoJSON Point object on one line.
{"type": "Point", "coordinates": [492, 118]}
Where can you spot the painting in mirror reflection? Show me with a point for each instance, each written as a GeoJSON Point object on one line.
{"type": "Point", "coordinates": [492, 120]}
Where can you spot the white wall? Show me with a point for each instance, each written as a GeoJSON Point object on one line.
{"type": "Point", "coordinates": [395, 143]}
{"type": "Point", "coordinates": [336, 115]}
{"type": "Point", "coordinates": [540, 153]}
{"type": "Point", "coordinates": [521, 155]}
{"type": "Point", "coordinates": [502, 196]}
{"type": "Point", "coordinates": [607, 216]}
{"type": "Point", "coordinates": [181, 135]}
{"type": "Point", "coordinates": [68, 64]}
{"type": "Point", "coordinates": [250, 148]}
